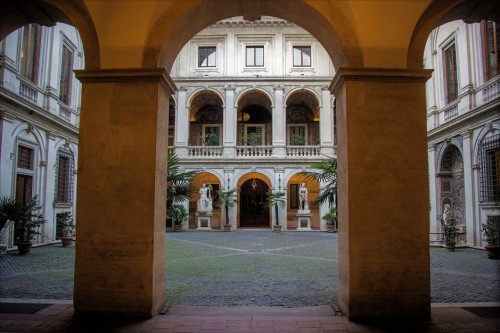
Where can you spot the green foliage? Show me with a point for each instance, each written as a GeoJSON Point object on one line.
{"type": "Point", "coordinates": [491, 234]}
{"type": "Point", "coordinates": [27, 218]}
{"type": "Point", "coordinates": [210, 139]}
{"type": "Point", "coordinates": [227, 199]}
{"type": "Point", "coordinates": [179, 184]}
{"type": "Point", "coordinates": [65, 221]}
{"type": "Point", "coordinates": [252, 139]}
{"type": "Point", "coordinates": [178, 214]}
{"type": "Point", "coordinates": [276, 199]}
{"type": "Point", "coordinates": [298, 140]}
{"type": "Point", "coordinates": [326, 172]}
{"type": "Point", "coordinates": [450, 229]}
{"type": "Point", "coordinates": [331, 216]}
{"type": "Point", "coordinates": [8, 213]}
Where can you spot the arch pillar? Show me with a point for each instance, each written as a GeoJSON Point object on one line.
{"type": "Point", "coordinates": [383, 202]}
{"type": "Point", "coordinates": [120, 257]}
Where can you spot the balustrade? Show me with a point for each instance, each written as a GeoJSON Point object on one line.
{"type": "Point", "coordinates": [491, 90]}
{"type": "Point", "coordinates": [28, 92]}
{"type": "Point", "coordinates": [204, 151]}
{"type": "Point", "coordinates": [303, 151]}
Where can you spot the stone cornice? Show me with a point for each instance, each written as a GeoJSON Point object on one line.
{"type": "Point", "coordinates": [127, 75]}
{"type": "Point", "coordinates": [379, 75]}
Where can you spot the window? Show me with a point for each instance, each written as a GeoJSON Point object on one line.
{"type": "Point", "coordinates": [255, 56]}
{"type": "Point", "coordinates": [301, 56]}
{"type": "Point", "coordinates": [64, 176]}
{"type": "Point", "coordinates": [25, 158]}
{"type": "Point", "coordinates": [211, 135]}
{"type": "Point", "coordinates": [66, 75]}
{"type": "Point", "coordinates": [30, 52]}
{"type": "Point", "coordinates": [491, 42]}
{"type": "Point", "coordinates": [450, 65]}
{"type": "Point", "coordinates": [254, 135]}
{"type": "Point", "coordinates": [206, 56]}
{"type": "Point", "coordinates": [297, 135]}
{"type": "Point", "coordinates": [294, 196]}
{"type": "Point", "coordinates": [489, 163]}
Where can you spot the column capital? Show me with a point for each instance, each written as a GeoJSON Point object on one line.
{"type": "Point", "coordinates": [229, 87]}
{"type": "Point", "coordinates": [278, 87]}
{"type": "Point", "coordinates": [379, 75]}
{"type": "Point", "coordinates": [119, 75]}
{"type": "Point", "coordinates": [467, 133]}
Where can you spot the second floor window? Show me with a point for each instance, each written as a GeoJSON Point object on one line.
{"type": "Point", "coordinates": [207, 56]}
{"type": "Point", "coordinates": [66, 75]}
{"type": "Point", "coordinates": [30, 52]}
{"type": "Point", "coordinates": [255, 56]}
{"type": "Point", "coordinates": [25, 158]}
{"type": "Point", "coordinates": [301, 56]}
{"type": "Point", "coordinates": [491, 41]}
{"type": "Point", "coordinates": [489, 164]}
{"type": "Point", "coordinates": [450, 74]}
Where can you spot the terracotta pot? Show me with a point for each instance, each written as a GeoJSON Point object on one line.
{"type": "Point", "coordinates": [330, 228]}
{"type": "Point", "coordinates": [66, 241]}
{"type": "Point", "coordinates": [493, 251]}
{"type": "Point", "coordinates": [277, 228]}
{"type": "Point", "coordinates": [227, 227]}
{"type": "Point", "coordinates": [177, 227]}
{"type": "Point", "coordinates": [3, 249]}
{"type": "Point", "coordinates": [450, 246]}
{"type": "Point", "coordinates": [24, 247]}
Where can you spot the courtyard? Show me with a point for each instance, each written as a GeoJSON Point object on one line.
{"type": "Point", "coordinates": [250, 268]}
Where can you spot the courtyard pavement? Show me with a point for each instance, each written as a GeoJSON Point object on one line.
{"type": "Point", "coordinates": [295, 272]}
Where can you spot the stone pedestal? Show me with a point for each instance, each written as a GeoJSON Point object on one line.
{"type": "Point", "coordinates": [303, 220]}
{"type": "Point", "coordinates": [204, 221]}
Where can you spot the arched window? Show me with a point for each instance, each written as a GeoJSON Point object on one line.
{"type": "Point", "coordinates": [64, 176]}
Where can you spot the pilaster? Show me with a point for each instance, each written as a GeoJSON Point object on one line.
{"type": "Point", "coordinates": [469, 188]}
{"type": "Point", "coordinates": [279, 122]}
{"type": "Point", "coordinates": [230, 128]}
{"type": "Point", "coordinates": [120, 257]}
{"type": "Point", "coordinates": [384, 268]}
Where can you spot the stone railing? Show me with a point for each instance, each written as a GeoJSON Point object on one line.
{"type": "Point", "coordinates": [303, 151]}
{"type": "Point", "coordinates": [65, 112]}
{"type": "Point", "coordinates": [451, 111]}
{"type": "Point", "coordinates": [204, 151]}
{"type": "Point", "coordinates": [491, 90]}
{"type": "Point", "coordinates": [251, 151]}
{"type": "Point", "coordinates": [28, 92]}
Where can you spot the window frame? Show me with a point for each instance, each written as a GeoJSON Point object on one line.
{"type": "Point", "coordinates": [204, 128]}
{"type": "Point", "coordinates": [64, 193]}
{"type": "Point", "coordinates": [301, 47]}
{"type": "Point", "coordinates": [30, 43]}
{"type": "Point", "coordinates": [66, 73]}
{"type": "Point", "coordinates": [198, 53]}
{"type": "Point", "coordinates": [450, 81]}
{"type": "Point", "coordinates": [490, 70]}
{"type": "Point", "coordinates": [263, 131]}
{"type": "Point", "coordinates": [289, 133]}
{"type": "Point", "coordinates": [255, 47]}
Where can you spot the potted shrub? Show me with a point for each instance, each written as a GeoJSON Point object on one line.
{"type": "Point", "coordinates": [65, 221]}
{"type": "Point", "coordinates": [8, 210]}
{"type": "Point", "coordinates": [252, 139]}
{"type": "Point", "coordinates": [491, 235]}
{"type": "Point", "coordinates": [298, 140]}
{"type": "Point", "coordinates": [227, 199]}
{"type": "Point", "coordinates": [210, 139]}
{"type": "Point", "coordinates": [450, 232]}
{"type": "Point", "coordinates": [178, 214]}
{"type": "Point", "coordinates": [331, 219]}
{"type": "Point", "coordinates": [275, 199]}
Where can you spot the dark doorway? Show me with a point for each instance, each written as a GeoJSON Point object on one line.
{"type": "Point", "coordinates": [254, 211]}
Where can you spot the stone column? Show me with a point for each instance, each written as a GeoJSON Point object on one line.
{"type": "Point", "coordinates": [383, 202]}
{"type": "Point", "coordinates": [326, 123]}
{"type": "Point", "coordinates": [433, 201]}
{"type": "Point", "coordinates": [181, 124]}
{"type": "Point", "coordinates": [279, 123]}
{"type": "Point", "coordinates": [229, 126]}
{"type": "Point", "coordinates": [469, 188]}
{"type": "Point", "coordinates": [120, 256]}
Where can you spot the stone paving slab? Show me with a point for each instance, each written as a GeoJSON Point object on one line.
{"type": "Point", "coordinates": [250, 268]}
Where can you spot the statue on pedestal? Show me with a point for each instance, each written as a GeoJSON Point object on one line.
{"type": "Point", "coordinates": [303, 205]}
{"type": "Point", "coordinates": [205, 201]}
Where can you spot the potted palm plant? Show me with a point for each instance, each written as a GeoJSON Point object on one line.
{"type": "Point", "coordinates": [450, 232]}
{"type": "Point", "coordinates": [178, 214]}
{"type": "Point", "coordinates": [65, 221]}
{"type": "Point", "coordinates": [331, 219]}
{"type": "Point", "coordinates": [491, 235]}
{"type": "Point", "coordinates": [27, 221]}
{"type": "Point", "coordinates": [276, 199]}
{"type": "Point", "coordinates": [227, 200]}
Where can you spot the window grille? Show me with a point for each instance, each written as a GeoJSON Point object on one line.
{"type": "Point", "coordinates": [64, 176]}
{"type": "Point", "coordinates": [25, 158]}
{"type": "Point", "coordinates": [489, 163]}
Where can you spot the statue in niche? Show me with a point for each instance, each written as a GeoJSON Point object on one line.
{"type": "Point", "coordinates": [303, 205]}
{"type": "Point", "coordinates": [447, 213]}
{"type": "Point", "coordinates": [205, 202]}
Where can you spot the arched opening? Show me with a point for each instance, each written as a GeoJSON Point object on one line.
{"type": "Point", "coordinates": [206, 120]}
{"type": "Point", "coordinates": [254, 120]}
{"type": "Point", "coordinates": [302, 119]}
{"type": "Point", "coordinates": [253, 209]}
